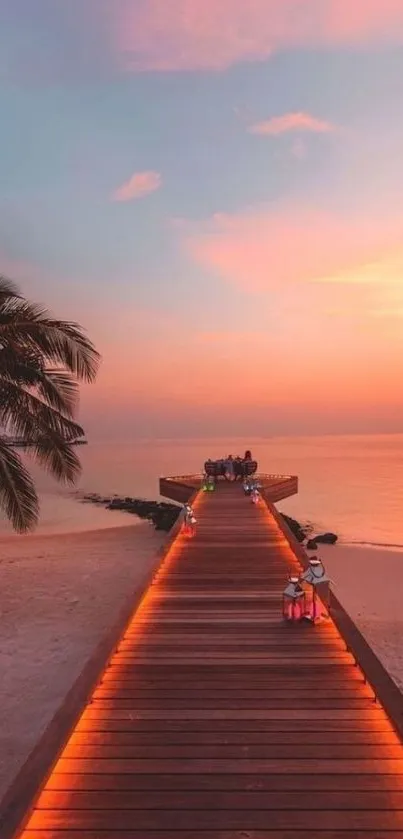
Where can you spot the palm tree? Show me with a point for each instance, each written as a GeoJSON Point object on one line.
{"type": "Point", "coordinates": [41, 362]}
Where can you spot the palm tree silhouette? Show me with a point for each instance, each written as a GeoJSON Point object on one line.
{"type": "Point", "coordinates": [41, 362]}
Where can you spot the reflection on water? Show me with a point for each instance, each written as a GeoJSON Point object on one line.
{"type": "Point", "coordinates": [352, 485]}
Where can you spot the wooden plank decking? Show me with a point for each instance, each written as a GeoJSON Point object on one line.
{"type": "Point", "coordinates": [215, 720]}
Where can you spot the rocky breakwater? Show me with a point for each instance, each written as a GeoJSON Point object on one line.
{"type": "Point", "coordinates": [162, 515]}
{"type": "Point", "coordinates": [322, 539]}
{"type": "Point", "coordinates": [304, 532]}
{"type": "Point", "coordinates": [301, 533]}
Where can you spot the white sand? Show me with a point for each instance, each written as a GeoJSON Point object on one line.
{"type": "Point", "coordinates": [59, 595]}
{"type": "Point", "coordinates": [369, 584]}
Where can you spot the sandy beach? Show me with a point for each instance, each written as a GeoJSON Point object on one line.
{"type": "Point", "coordinates": [369, 584]}
{"type": "Point", "coordinates": [59, 595]}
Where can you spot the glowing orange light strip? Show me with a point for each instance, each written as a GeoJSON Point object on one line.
{"type": "Point", "coordinates": [135, 623]}
{"type": "Point", "coordinates": [143, 616]}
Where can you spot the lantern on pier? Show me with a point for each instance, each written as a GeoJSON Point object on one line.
{"type": "Point", "coordinates": [192, 526]}
{"type": "Point", "coordinates": [255, 493]}
{"type": "Point", "coordinates": [317, 579]}
{"type": "Point", "coordinates": [255, 496]}
{"type": "Point", "coordinates": [294, 606]}
{"type": "Point", "coordinates": [189, 523]}
{"type": "Point", "coordinates": [247, 487]}
{"type": "Point", "coordinates": [211, 484]}
{"type": "Point", "coordinates": [205, 483]}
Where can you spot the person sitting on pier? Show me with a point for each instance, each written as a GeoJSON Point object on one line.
{"type": "Point", "coordinates": [229, 468]}
{"type": "Point", "coordinates": [244, 464]}
{"type": "Point", "coordinates": [238, 468]}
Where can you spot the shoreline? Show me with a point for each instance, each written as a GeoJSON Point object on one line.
{"type": "Point", "coordinates": [24, 539]}
{"type": "Point", "coordinates": [64, 516]}
{"type": "Point", "coordinates": [371, 546]}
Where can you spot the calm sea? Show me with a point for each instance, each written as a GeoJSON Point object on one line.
{"type": "Point", "coordinates": [350, 485]}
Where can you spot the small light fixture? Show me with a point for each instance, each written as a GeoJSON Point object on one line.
{"type": "Point", "coordinates": [189, 523]}
{"type": "Point", "coordinates": [294, 601]}
{"type": "Point", "coordinates": [316, 577]}
{"type": "Point", "coordinates": [255, 495]}
{"type": "Point", "coordinates": [255, 492]}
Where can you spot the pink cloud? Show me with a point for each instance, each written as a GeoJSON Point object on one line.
{"type": "Point", "coordinates": [139, 185]}
{"type": "Point", "coordinates": [214, 34]}
{"type": "Point", "coordinates": [297, 121]}
{"type": "Point", "coordinates": [269, 249]}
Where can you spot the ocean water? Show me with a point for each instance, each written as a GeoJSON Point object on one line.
{"type": "Point", "coordinates": [350, 485]}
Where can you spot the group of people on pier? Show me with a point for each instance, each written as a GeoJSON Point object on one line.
{"type": "Point", "coordinates": [231, 468]}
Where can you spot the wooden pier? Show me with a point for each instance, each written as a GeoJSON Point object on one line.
{"type": "Point", "coordinates": [214, 719]}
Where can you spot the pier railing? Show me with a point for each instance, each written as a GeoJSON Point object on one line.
{"type": "Point", "coordinates": [386, 691]}
{"type": "Point", "coordinates": [278, 487]}
{"type": "Point", "coordinates": [275, 487]}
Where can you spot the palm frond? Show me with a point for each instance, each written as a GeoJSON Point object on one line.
{"type": "Point", "coordinates": [20, 364]}
{"type": "Point", "coordinates": [18, 498]}
{"type": "Point", "coordinates": [41, 359]}
{"type": "Point", "coordinates": [59, 390]}
{"type": "Point", "coordinates": [8, 289]}
{"type": "Point", "coordinates": [60, 342]}
{"type": "Point", "coordinates": [25, 415]}
{"type": "Point", "coordinates": [57, 457]}
{"type": "Point", "coordinates": [56, 388]}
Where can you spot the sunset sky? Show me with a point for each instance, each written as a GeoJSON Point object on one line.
{"type": "Point", "coordinates": [214, 189]}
